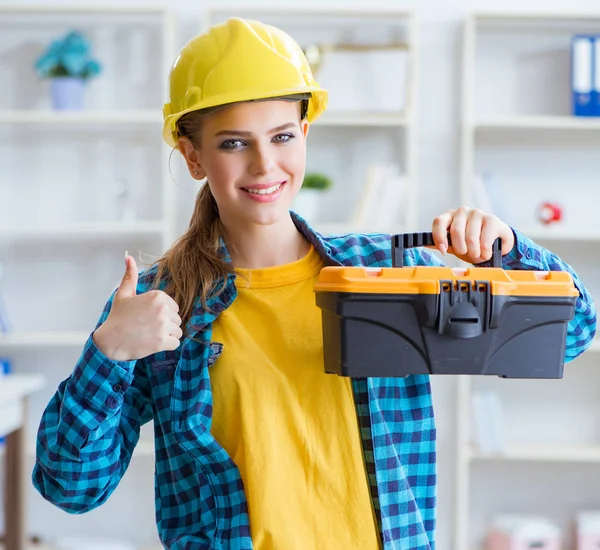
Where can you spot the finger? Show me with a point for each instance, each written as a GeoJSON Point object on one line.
{"type": "Point", "coordinates": [489, 234]}
{"type": "Point", "coordinates": [162, 298]}
{"type": "Point", "coordinates": [473, 234]}
{"type": "Point", "coordinates": [439, 230]}
{"type": "Point", "coordinates": [165, 315]}
{"type": "Point", "coordinates": [128, 286]}
{"type": "Point", "coordinates": [174, 318]}
{"type": "Point", "coordinates": [175, 331]}
{"type": "Point", "coordinates": [170, 343]}
{"type": "Point", "coordinates": [457, 232]}
{"type": "Point", "coordinates": [170, 302]}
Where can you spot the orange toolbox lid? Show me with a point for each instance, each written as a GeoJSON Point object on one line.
{"type": "Point", "coordinates": [434, 280]}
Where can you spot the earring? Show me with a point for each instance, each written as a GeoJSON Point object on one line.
{"type": "Point", "coordinates": [196, 172]}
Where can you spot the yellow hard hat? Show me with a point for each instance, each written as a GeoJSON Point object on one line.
{"type": "Point", "coordinates": [238, 60]}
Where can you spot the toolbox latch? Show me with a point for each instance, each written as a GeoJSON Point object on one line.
{"type": "Point", "coordinates": [463, 308]}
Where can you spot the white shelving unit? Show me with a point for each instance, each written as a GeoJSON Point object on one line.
{"type": "Point", "coordinates": [516, 97]}
{"type": "Point", "coordinates": [517, 128]}
{"type": "Point", "coordinates": [115, 111]}
{"type": "Point", "coordinates": [77, 189]}
{"type": "Point", "coordinates": [118, 135]}
{"type": "Point", "coordinates": [361, 127]}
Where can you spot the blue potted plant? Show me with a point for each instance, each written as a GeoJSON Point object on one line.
{"type": "Point", "coordinates": [68, 65]}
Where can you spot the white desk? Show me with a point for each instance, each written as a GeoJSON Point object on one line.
{"type": "Point", "coordinates": [14, 391]}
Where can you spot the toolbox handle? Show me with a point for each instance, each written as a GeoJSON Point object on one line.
{"type": "Point", "coordinates": [412, 240]}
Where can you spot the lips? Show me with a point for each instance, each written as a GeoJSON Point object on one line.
{"type": "Point", "coordinates": [265, 192]}
{"type": "Point", "coordinates": [264, 188]}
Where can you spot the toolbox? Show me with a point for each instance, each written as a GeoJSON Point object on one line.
{"type": "Point", "coordinates": [398, 321]}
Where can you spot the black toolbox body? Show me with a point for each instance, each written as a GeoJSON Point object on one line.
{"type": "Point", "coordinates": [464, 328]}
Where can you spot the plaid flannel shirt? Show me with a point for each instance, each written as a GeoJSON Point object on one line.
{"type": "Point", "coordinates": [89, 429]}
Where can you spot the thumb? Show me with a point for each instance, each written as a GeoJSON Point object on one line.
{"type": "Point", "coordinates": [128, 286]}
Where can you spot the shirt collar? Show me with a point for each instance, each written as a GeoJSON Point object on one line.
{"type": "Point", "coordinates": [226, 290]}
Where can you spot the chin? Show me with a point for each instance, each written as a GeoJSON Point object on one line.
{"type": "Point", "coordinates": [271, 218]}
{"type": "Point", "coordinates": [258, 216]}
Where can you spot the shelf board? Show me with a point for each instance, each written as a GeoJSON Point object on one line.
{"type": "Point", "coordinates": [391, 119]}
{"type": "Point", "coordinates": [35, 9]}
{"type": "Point", "coordinates": [558, 233]}
{"type": "Point", "coordinates": [82, 117]}
{"type": "Point", "coordinates": [538, 123]}
{"type": "Point", "coordinates": [535, 16]}
{"type": "Point", "coordinates": [368, 12]}
{"type": "Point", "coordinates": [83, 230]}
{"type": "Point", "coordinates": [539, 454]}
{"type": "Point", "coordinates": [50, 338]}
{"type": "Point", "coordinates": [45, 546]}
{"type": "Point", "coordinates": [19, 385]}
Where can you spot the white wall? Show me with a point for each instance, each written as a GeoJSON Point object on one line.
{"type": "Point", "coordinates": [440, 32]}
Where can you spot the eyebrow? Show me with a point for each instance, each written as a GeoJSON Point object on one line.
{"type": "Point", "coordinates": [242, 133]}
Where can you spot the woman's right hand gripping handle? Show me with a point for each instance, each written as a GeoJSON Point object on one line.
{"type": "Point", "coordinates": [138, 325]}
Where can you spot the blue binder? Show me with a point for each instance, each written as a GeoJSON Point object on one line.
{"type": "Point", "coordinates": [582, 75]}
{"type": "Point", "coordinates": [596, 77]}
{"type": "Point", "coordinates": [5, 368]}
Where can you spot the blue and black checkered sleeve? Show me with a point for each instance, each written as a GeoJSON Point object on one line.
{"type": "Point", "coordinates": [89, 429]}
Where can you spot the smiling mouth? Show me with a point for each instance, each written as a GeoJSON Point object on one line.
{"type": "Point", "coordinates": [267, 191]}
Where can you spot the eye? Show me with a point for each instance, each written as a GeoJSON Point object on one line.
{"type": "Point", "coordinates": [231, 144]}
{"type": "Point", "coordinates": [283, 138]}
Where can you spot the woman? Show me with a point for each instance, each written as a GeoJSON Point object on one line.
{"type": "Point", "coordinates": [220, 342]}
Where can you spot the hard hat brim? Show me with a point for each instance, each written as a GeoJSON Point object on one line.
{"type": "Point", "coordinates": [317, 103]}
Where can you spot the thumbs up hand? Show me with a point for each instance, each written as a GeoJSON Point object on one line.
{"type": "Point", "coordinates": [138, 325]}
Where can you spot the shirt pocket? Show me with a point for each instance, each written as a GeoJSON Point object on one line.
{"type": "Point", "coordinates": [162, 370]}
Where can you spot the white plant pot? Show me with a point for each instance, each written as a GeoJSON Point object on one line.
{"type": "Point", "coordinates": [67, 93]}
{"type": "Point", "coordinates": [306, 204]}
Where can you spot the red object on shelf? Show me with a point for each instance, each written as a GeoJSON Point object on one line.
{"type": "Point", "coordinates": [550, 212]}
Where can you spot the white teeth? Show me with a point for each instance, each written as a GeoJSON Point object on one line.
{"type": "Point", "coordinates": [266, 191]}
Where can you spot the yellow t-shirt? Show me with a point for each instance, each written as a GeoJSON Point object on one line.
{"type": "Point", "coordinates": [290, 428]}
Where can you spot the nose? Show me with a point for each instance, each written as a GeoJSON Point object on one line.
{"type": "Point", "coordinates": [261, 161]}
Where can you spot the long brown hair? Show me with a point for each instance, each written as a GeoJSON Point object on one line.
{"type": "Point", "coordinates": [195, 266]}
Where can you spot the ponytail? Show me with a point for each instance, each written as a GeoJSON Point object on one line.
{"type": "Point", "coordinates": [194, 266]}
